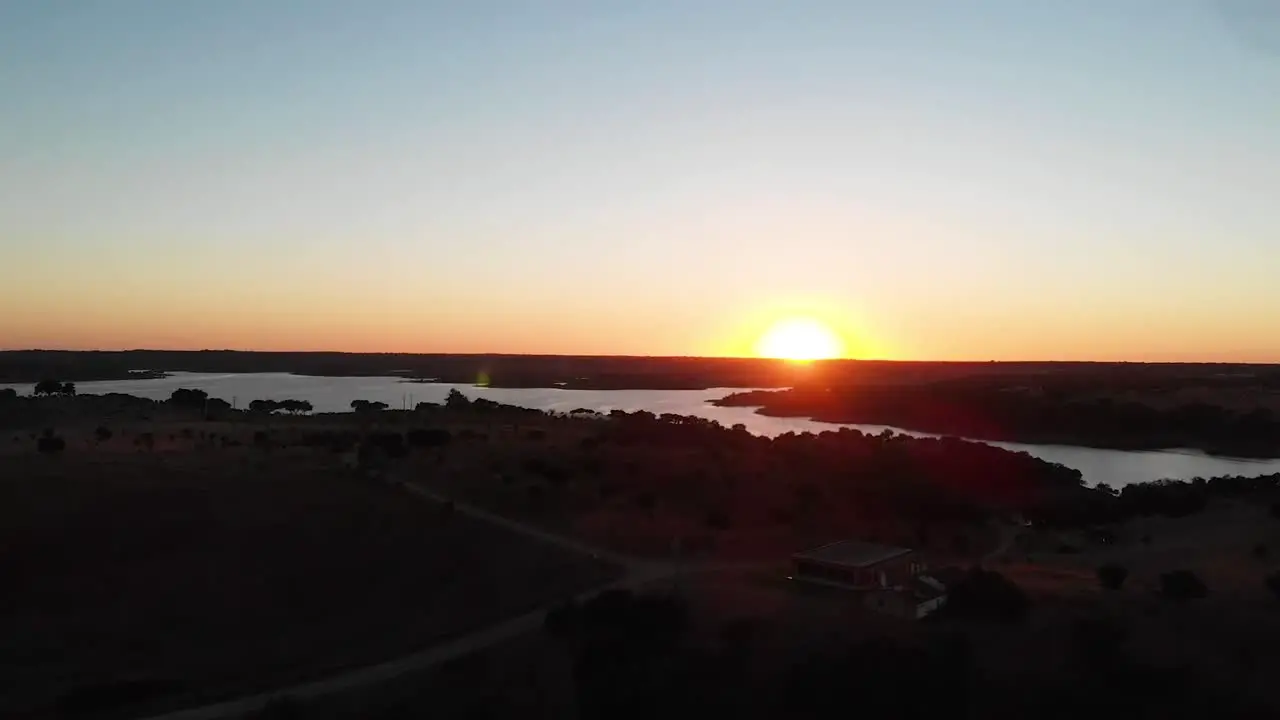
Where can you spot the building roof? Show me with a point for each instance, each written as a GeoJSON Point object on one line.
{"type": "Point", "coordinates": [852, 553]}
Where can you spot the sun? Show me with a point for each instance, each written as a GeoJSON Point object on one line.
{"type": "Point", "coordinates": [800, 339]}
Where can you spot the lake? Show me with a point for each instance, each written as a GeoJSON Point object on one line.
{"type": "Point", "coordinates": [334, 394]}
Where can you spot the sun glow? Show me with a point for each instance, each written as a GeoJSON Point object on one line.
{"type": "Point", "coordinates": [800, 339]}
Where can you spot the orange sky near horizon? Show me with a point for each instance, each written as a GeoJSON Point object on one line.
{"type": "Point", "coordinates": [394, 321]}
{"type": "Point", "coordinates": [641, 178]}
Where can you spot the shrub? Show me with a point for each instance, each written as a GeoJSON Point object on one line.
{"type": "Point", "coordinates": [51, 445]}
{"type": "Point", "coordinates": [1182, 585]}
{"type": "Point", "coordinates": [102, 434]}
{"type": "Point", "coordinates": [1112, 577]}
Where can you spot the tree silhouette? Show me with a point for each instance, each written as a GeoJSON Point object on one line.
{"type": "Point", "coordinates": [188, 398]}
{"type": "Point", "coordinates": [68, 389]}
{"type": "Point", "coordinates": [48, 387]}
{"type": "Point", "coordinates": [264, 406]}
{"type": "Point", "coordinates": [368, 406]}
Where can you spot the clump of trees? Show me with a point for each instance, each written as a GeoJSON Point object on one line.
{"type": "Point", "coordinates": [1168, 498]}
{"type": "Point", "coordinates": [51, 388]}
{"type": "Point", "coordinates": [188, 398]}
{"type": "Point", "coordinates": [293, 407]}
{"type": "Point", "coordinates": [368, 406]}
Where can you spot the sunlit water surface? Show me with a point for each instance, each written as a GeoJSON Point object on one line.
{"type": "Point", "coordinates": [334, 394]}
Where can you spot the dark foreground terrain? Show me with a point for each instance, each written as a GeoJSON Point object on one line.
{"type": "Point", "coordinates": [156, 557]}
{"type": "Point", "coordinates": [181, 574]}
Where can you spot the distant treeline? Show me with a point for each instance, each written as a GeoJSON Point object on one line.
{"type": "Point", "coordinates": [594, 372]}
{"type": "Point", "coordinates": [1011, 414]}
{"type": "Point", "coordinates": [494, 370]}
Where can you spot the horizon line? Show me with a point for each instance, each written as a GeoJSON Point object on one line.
{"type": "Point", "coordinates": [641, 357]}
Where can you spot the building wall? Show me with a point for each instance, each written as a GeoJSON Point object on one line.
{"type": "Point", "coordinates": [897, 571]}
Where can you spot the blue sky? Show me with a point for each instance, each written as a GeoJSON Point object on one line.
{"type": "Point", "coordinates": [984, 179]}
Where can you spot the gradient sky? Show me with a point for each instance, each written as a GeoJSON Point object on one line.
{"type": "Point", "coordinates": [996, 179]}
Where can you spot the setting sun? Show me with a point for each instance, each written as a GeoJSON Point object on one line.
{"type": "Point", "coordinates": [800, 339]}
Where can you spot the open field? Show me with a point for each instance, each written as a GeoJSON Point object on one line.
{"type": "Point", "coordinates": [196, 573]}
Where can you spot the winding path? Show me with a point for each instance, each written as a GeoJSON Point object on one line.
{"type": "Point", "coordinates": [637, 573]}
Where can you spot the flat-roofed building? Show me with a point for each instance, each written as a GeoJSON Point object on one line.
{"type": "Point", "coordinates": [857, 565]}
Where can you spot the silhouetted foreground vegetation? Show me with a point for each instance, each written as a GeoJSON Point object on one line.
{"type": "Point", "coordinates": [1168, 498]}
{"type": "Point", "coordinates": [1002, 411]}
{"type": "Point", "coordinates": [138, 580]}
{"type": "Point", "coordinates": [647, 656]}
{"type": "Point", "coordinates": [814, 479]}
{"type": "Point", "coordinates": [238, 539]}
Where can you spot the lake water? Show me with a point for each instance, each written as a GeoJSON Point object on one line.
{"type": "Point", "coordinates": [334, 394]}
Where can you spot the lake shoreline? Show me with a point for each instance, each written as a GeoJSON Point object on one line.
{"type": "Point", "coordinates": [334, 395]}
{"type": "Point", "coordinates": [1242, 453]}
